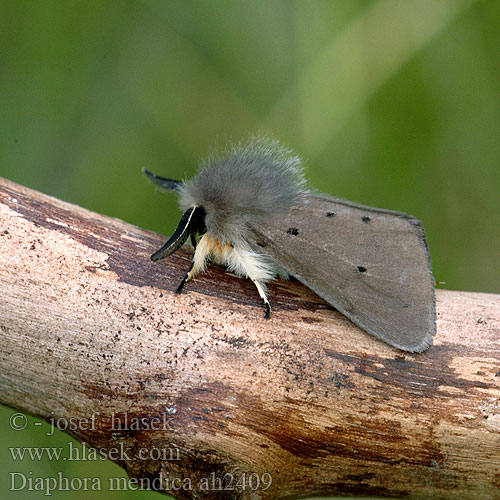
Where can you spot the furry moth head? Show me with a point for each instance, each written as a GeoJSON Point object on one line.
{"type": "Point", "coordinates": [253, 214]}
{"type": "Point", "coordinates": [249, 181]}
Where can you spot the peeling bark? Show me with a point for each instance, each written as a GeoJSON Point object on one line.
{"type": "Point", "coordinates": [91, 329]}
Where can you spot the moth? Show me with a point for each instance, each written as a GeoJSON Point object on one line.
{"type": "Point", "coordinates": [253, 213]}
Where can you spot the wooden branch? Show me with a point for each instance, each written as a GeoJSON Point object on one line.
{"type": "Point", "coordinates": [91, 329]}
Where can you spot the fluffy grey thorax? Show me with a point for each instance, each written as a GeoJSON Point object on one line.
{"type": "Point", "coordinates": [249, 181]}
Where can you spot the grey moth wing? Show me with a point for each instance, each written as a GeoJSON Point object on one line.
{"type": "Point", "coordinates": [371, 264]}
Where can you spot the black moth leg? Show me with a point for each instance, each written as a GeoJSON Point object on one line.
{"type": "Point", "coordinates": [197, 263]}
{"type": "Point", "coordinates": [193, 242]}
{"type": "Point", "coordinates": [262, 292]}
{"type": "Point", "coordinates": [186, 278]}
{"type": "Point", "coordinates": [267, 315]}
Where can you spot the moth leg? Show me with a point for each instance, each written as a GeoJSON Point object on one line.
{"type": "Point", "coordinates": [197, 264]}
{"type": "Point", "coordinates": [262, 292]}
{"type": "Point", "coordinates": [193, 241]}
{"type": "Point", "coordinates": [245, 262]}
{"type": "Point", "coordinates": [186, 278]}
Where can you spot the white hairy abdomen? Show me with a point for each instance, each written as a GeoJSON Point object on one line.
{"type": "Point", "coordinates": [239, 259]}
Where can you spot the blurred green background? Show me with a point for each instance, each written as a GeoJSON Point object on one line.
{"type": "Point", "coordinates": [391, 103]}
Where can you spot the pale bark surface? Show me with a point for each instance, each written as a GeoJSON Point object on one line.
{"type": "Point", "coordinates": [90, 326]}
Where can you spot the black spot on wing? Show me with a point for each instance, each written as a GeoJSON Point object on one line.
{"type": "Point", "coordinates": [362, 269]}
{"type": "Point", "coordinates": [366, 219]}
{"type": "Point", "coordinates": [292, 230]}
{"type": "Point", "coordinates": [330, 214]}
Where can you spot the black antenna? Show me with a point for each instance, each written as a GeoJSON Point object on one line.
{"type": "Point", "coordinates": [163, 182]}
{"type": "Point", "coordinates": [192, 221]}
